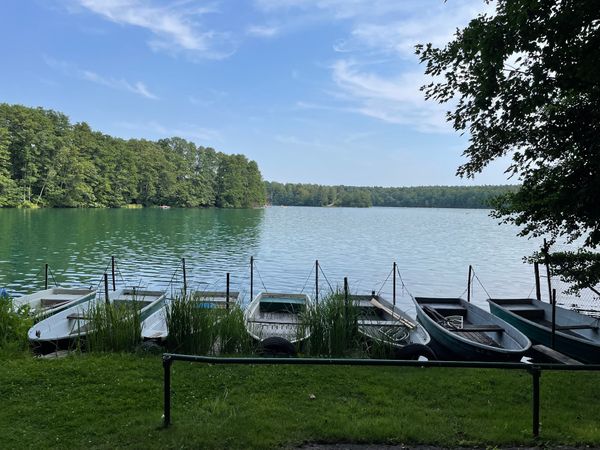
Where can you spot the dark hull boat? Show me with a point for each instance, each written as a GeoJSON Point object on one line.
{"type": "Point", "coordinates": [577, 335]}
{"type": "Point", "coordinates": [468, 331]}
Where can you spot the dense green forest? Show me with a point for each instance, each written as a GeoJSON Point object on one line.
{"type": "Point", "coordinates": [425, 196]}
{"type": "Point", "coordinates": [47, 161]}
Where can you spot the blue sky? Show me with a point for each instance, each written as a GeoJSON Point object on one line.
{"type": "Point", "coordinates": [316, 91]}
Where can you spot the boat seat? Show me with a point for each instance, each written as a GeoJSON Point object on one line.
{"type": "Point", "coordinates": [380, 323]}
{"type": "Point", "coordinates": [448, 309]}
{"type": "Point", "coordinates": [527, 311]}
{"type": "Point", "coordinates": [76, 316]}
{"type": "Point", "coordinates": [480, 328]}
{"type": "Point", "coordinates": [47, 302]}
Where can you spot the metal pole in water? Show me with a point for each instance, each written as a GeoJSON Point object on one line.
{"type": "Point", "coordinates": [317, 280]}
{"type": "Point", "coordinates": [113, 273]}
{"type": "Point", "coordinates": [469, 283]}
{"type": "Point", "coordinates": [538, 289]}
{"type": "Point", "coordinates": [346, 289]}
{"type": "Point", "coordinates": [547, 262]}
{"type": "Point", "coordinates": [167, 361]}
{"type": "Point", "coordinates": [251, 278]}
{"type": "Point", "coordinates": [184, 277]}
{"type": "Point", "coordinates": [535, 373]}
{"type": "Point", "coordinates": [106, 288]}
{"type": "Point", "coordinates": [227, 297]}
{"type": "Point", "coordinates": [394, 284]}
{"type": "Point", "coordinates": [46, 276]}
{"type": "Point", "coordinates": [553, 318]}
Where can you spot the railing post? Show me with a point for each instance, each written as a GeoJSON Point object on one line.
{"type": "Point", "coordinates": [114, 280]}
{"type": "Point", "coordinates": [251, 278]}
{"type": "Point", "coordinates": [184, 277]}
{"type": "Point", "coordinates": [227, 293]}
{"type": "Point", "coordinates": [469, 284]}
{"type": "Point", "coordinates": [317, 281]}
{"type": "Point", "coordinates": [167, 361]}
{"type": "Point", "coordinates": [538, 288]}
{"type": "Point", "coordinates": [46, 276]}
{"type": "Point", "coordinates": [394, 285]}
{"type": "Point", "coordinates": [535, 374]}
{"type": "Point", "coordinates": [106, 297]}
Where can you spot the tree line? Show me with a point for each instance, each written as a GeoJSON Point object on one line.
{"type": "Point", "coordinates": [47, 161]}
{"type": "Point", "coordinates": [290, 194]}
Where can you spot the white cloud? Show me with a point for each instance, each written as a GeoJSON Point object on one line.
{"type": "Point", "coordinates": [175, 26]}
{"type": "Point", "coordinates": [391, 99]}
{"type": "Point", "coordinates": [203, 136]}
{"type": "Point", "coordinates": [120, 84]}
{"type": "Point", "coordinates": [262, 31]}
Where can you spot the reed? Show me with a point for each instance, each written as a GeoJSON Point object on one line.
{"type": "Point", "coordinates": [333, 325]}
{"type": "Point", "coordinates": [14, 323]}
{"type": "Point", "coordinates": [114, 327]}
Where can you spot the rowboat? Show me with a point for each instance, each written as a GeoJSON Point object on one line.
{"type": "Point", "coordinates": [470, 332]}
{"type": "Point", "coordinates": [53, 300]}
{"type": "Point", "coordinates": [577, 335]}
{"type": "Point", "coordinates": [382, 322]}
{"type": "Point", "coordinates": [155, 326]}
{"type": "Point", "coordinates": [273, 319]}
{"type": "Point", "coordinates": [74, 322]}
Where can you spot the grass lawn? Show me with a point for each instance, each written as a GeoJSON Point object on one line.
{"type": "Point", "coordinates": [115, 400]}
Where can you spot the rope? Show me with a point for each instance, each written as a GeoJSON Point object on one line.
{"type": "Point", "coordinates": [404, 287]}
{"type": "Point", "coordinates": [306, 281]}
{"type": "Point", "coordinates": [481, 284]}
{"type": "Point", "coordinates": [260, 277]}
{"type": "Point", "coordinates": [383, 284]}
{"type": "Point", "coordinates": [52, 275]}
{"type": "Point", "coordinates": [325, 276]}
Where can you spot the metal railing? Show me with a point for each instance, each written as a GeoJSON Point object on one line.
{"type": "Point", "coordinates": [534, 369]}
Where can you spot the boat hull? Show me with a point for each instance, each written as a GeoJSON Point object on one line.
{"type": "Point", "coordinates": [458, 346]}
{"type": "Point", "coordinates": [579, 349]}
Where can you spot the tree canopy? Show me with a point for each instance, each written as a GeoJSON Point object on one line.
{"type": "Point", "coordinates": [47, 161]}
{"type": "Point", "coordinates": [524, 83]}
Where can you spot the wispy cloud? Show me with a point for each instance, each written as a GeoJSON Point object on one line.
{"type": "Point", "coordinates": [391, 99]}
{"type": "Point", "coordinates": [262, 31]}
{"type": "Point", "coordinates": [174, 26]}
{"type": "Point", "coordinates": [120, 84]}
{"type": "Point", "coordinates": [201, 135]}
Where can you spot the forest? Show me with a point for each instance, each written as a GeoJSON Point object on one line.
{"type": "Point", "coordinates": [45, 161]}
{"type": "Point", "coordinates": [290, 194]}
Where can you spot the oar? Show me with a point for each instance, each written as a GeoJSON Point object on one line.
{"type": "Point", "coordinates": [394, 314]}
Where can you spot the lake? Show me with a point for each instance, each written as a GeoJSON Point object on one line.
{"type": "Point", "coordinates": [433, 249]}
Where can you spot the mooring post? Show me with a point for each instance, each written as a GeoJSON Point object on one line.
{"type": "Point", "coordinates": [346, 289]}
{"type": "Point", "coordinates": [535, 374]}
{"type": "Point", "coordinates": [251, 278]}
{"type": "Point", "coordinates": [167, 361]}
{"type": "Point", "coordinates": [553, 319]}
{"type": "Point", "coordinates": [469, 283]}
{"type": "Point", "coordinates": [112, 261]}
{"type": "Point", "coordinates": [184, 277]}
{"type": "Point", "coordinates": [106, 288]}
{"type": "Point", "coordinates": [227, 294]}
{"type": "Point", "coordinates": [538, 289]}
{"type": "Point", "coordinates": [546, 253]}
{"type": "Point", "coordinates": [317, 281]}
{"type": "Point", "coordinates": [394, 285]}
{"type": "Point", "coordinates": [46, 276]}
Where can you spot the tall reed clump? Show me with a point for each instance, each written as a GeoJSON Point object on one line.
{"type": "Point", "coordinates": [333, 325]}
{"type": "Point", "coordinates": [14, 324]}
{"type": "Point", "coordinates": [114, 327]}
{"type": "Point", "coordinates": [197, 327]}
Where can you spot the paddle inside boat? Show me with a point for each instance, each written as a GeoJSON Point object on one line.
{"type": "Point", "coordinates": [53, 300]}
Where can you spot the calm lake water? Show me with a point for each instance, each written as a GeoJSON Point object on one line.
{"type": "Point", "coordinates": [433, 249]}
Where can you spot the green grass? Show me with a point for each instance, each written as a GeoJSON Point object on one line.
{"type": "Point", "coordinates": [115, 400]}
{"type": "Point", "coordinates": [115, 327]}
{"type": "Point", "coordinates": [14, 324]}
{"type": "Point", "coordinates": [206, 331]}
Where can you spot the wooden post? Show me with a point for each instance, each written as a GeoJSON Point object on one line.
{"type": "Point", "coordinates": [545, 250]}
{"type": "Point", "coordinates": [251, 278]}
{"type": "Point", "coordinates": [112, 258]}
{"type": "Point", "coordinates": [317, 281]}
{"type": "Point", "coordinates": [346, 289]}
{"type": "Point", "coordinates": [227, 297]}
{"type": "Point", "coordinates": [106, 288]}
{"type": "Point", "coordinates": [469, 283]}
{"type": "Point", "coordinates": [184, 277]}
{"type": "Point", "coordinates": [46, 276]}
{"type": "Point", "coordinates": [394, 285]}
{"type": "Point", "coordinates": [553, 319]}
{"type": "Point", "coordinates": [538, 289]}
